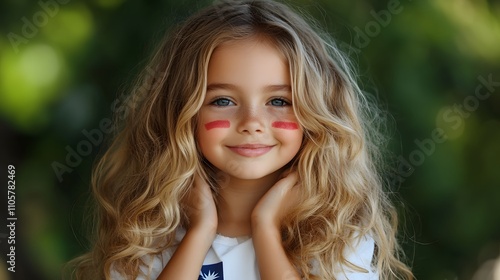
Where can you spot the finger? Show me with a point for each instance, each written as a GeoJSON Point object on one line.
{"type": "Point", "coordinates": [294, 194]}
{"type": "Point", "coordinates": [290, 198]}
{"type": "Point", "coordinates": [290, 179]}
{"type": "Point", "coordinates": [196, 189]}
{"type": "Point", "coordinates": [285, 184]}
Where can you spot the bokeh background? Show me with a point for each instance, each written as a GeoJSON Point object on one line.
{"type": "Point", "coordinates": [434, 64]}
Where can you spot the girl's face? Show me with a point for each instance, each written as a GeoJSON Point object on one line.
{"type": "Point", "coordinates": [247, 127]}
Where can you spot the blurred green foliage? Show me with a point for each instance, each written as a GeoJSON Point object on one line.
{"type": "Point", "coordinates": [434, 63]}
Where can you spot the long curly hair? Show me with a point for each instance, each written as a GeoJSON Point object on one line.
{"type": "Point", "coordinates": [139, 183]}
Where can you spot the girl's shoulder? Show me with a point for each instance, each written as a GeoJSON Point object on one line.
{"type": "Point", "coordinates": [153, 264]}
{"type": "Point", "coordinates": [360, 253]}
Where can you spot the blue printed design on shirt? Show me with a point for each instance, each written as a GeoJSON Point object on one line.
{"type": "Point", "coordinates": [211, 272]}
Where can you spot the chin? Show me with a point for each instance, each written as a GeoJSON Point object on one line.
{"type": "Point", "coordinates": [253, 174]}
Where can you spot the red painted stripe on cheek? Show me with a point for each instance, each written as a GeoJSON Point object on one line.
{"type": "Point", "coordinates": [286, 125]}
{"type": "Point", "coordinates": [217, 124]}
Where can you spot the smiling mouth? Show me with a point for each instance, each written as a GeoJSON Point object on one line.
{"type": "Point", "coordinates": [250, 150]}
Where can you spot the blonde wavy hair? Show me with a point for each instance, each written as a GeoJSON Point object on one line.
{"type": "Point", "coordinates": [140, 181]}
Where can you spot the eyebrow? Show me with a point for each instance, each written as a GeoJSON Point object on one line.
{"type": "Point", "coordinates": [269, 88]}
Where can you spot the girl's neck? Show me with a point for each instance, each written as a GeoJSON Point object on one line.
{"type": "Point", "coordinates": [237, 199]}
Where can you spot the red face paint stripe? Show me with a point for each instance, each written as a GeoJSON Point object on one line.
{"type": "Point", "coordinates": [217, 124]}
{"type": "Point", "coordinates": [286, 125]}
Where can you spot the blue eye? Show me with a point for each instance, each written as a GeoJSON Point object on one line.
{"type": "Point", "coordinates": [222, 102]}
{"type": "Point", "coordinates": [279, 102]}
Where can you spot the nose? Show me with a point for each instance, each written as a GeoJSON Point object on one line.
{"type": "Point", "coordinates": [251, 120]}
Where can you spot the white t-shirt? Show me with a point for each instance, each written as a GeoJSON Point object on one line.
{"type": "Point", "coordinates": [234, 259]}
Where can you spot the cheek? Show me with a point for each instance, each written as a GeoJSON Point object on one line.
{"type": "Point", "coordinates": [211, 133]}
{"type": "Point", "coordinates": [285, 125]}
{"type": "Point", "coordinates": [289, 133]}
{"type": "Point", "coordinates": [217, 124]}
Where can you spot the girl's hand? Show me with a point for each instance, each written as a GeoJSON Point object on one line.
{"type": "Point", "coordinates": [188, 258]}
{"type": "Point", "coordinates": [276, 203]}
{"type": "Point", "coordinates": [200, 207]}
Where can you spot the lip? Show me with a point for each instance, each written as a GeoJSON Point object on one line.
{"type": "Point", "coordinates": [251, 150]}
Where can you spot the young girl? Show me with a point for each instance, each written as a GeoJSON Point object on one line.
{"type": "Point", "coordinates": [248, 157]}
